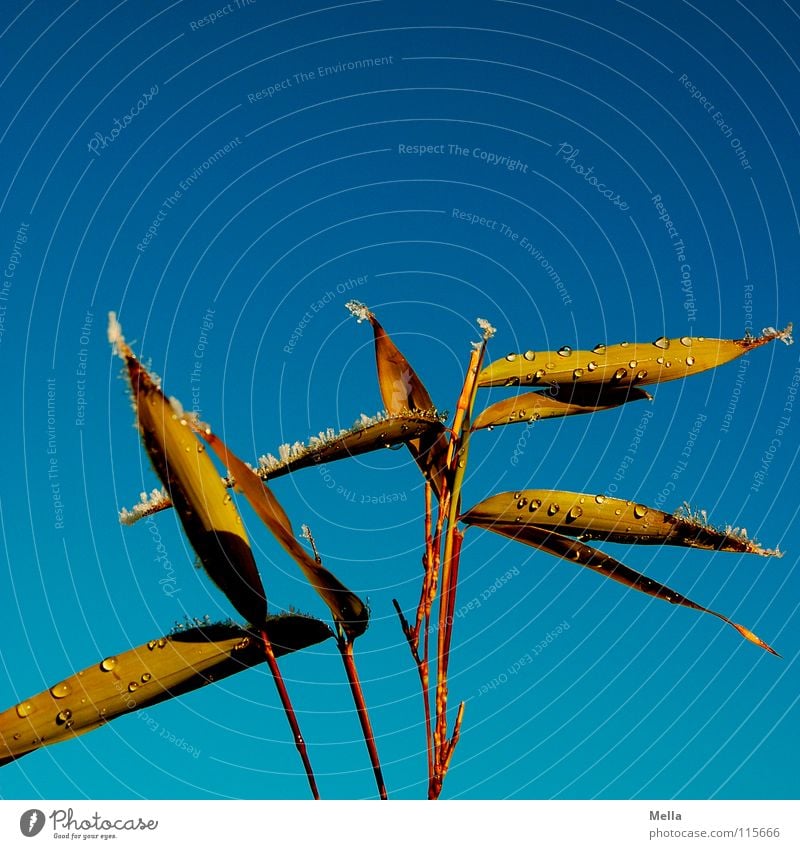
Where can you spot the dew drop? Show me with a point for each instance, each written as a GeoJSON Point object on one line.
{"type": "Point", "coordinates": [529, 355]}
{"type": "Point", "coordinates": [599, 498]}
{"type": "Point", "coordinates": [60, 690]}
{"type": "Point", "coordinates": [490, 428]}
{"type": "Point", "coordinates": [599, 349]}
{"type": "Point", "coordinates": [618, 512]}
{"type": "Point", "coordinates": [575, 512]}
{"type": "Point", "coordinates": [640, 511]}
{"type": "Point", "coordinates": [662, 342]}
{"type": "Point", "coordinates": [534, 505]}
{"type": "Point", "coordinates": [69, 723]}
{"type": "Point", "coordinates": [564, 351]}
{"type": "Point", "coordinates": [134, 685]}
{"type": "Point", "coordinates": [188, 448]}
{"type": "Point", "coordinates": [521, 503]}
{"type": "Point", "coordinates": [64, 716]}
{"type": "Point", "coordinates": [539, 374]}
{"type": "Point", "coordinates": [108, 664]}
{"type": "Point", "coordinates": [512, 381]}
{"type": "Point", "coordinates": [552, 509]}
{"type": "Point", "coordinates": [151, 645]}
{"type": "Point", "coordinates": [624, 344]}
{"type": "Point", "coordinates": [146, 677]}
{"type": "Point", "coordinates": [227, 499]}
{"type": "Point", "coordinates": [162, 642]}
{"type": "Point", "coordinates": [511, 357]}
{"type": "Point", "coordinates": [690, 361]}
{"type": "Point", "coordinates": [577, 373]}
{"type": "Point", "coordinates": [620, 373]}
{"type": "Point", "coordinates": [200, 448]}
{"type": "Point", "coordinates": [632, 364]}
{"type": "Point", "coordinates": [641, 375]}
{"type": "Point", "coordinates": [668, 364]}
{"type": "Point", "coordinates": [660, 360]}
{"type": "Point", "coordinates": [17, 736]}
{"type": "Point", "coordinates": [687, 341]}
{"type": "Point", "coordinates": [517, 495]}
{"type": "Point", "coordinates": [24, 709]}
{"type": "Point", "coordinates": [591, 366]}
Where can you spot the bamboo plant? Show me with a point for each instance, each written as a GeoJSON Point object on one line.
{"type": "Point", "coordinates": [558, 383]}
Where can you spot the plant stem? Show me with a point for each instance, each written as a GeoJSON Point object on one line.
{"type": "Point", "coordinates": [289, 710]}
{"type": "Point", "coordinates": [346, 649]}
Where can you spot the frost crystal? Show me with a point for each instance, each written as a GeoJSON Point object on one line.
{"type": "Point", "coordinates": [152, 503]}
{"type": "Point", "coordinates": [488, 330]}
{"type": "Point", "coordinates": [359, 310]}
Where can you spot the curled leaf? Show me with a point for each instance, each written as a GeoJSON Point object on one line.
{"type": "Point", "coordinates": [144, 676]}
{"type": "Point", "coordinates": [623, 365]}
{"type": "Point", "coordinates": [346, 607]}
{"type": "Point", "coordinates": [600, 517]}
{"type": "Point", "coordinates": [565, 401]}
{"type": "Point", "coordinates": [603, 564]}
{"type": "Point", "coordinates": [402, 390]}
{"type": "Point", "coordinates": [206, 511]}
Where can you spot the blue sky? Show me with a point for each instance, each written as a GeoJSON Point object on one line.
{"type": "Point", "coordinates": [225, 179]}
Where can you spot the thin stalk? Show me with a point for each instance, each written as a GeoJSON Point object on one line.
{"type": "Point", "coordinates": [456, 463]}
{"type": "Point", "coordinates": [289, 710]}
{"type": "Point", "coordinates": [346, 649]}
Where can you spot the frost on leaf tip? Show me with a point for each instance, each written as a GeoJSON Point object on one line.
{"type": "Point", "coordinates": [487, 328]}
{"type": "Point", "coordinates": [359, 310]}
{"type": "Point", "coordinates": [699, 518]}
{"type": "Point", "coordinates": [785, 335]}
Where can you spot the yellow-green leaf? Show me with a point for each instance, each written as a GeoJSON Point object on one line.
{"type": "Point", "coordinates": [532, 406]}
{"type": "Point", "coordinates": [346, 607]}
{"type": "Point", "coordinates": [625, 364]}
{"type": "Point", "coordinates": [206, 511]}
{"type": "Point", "coordinates": [144, 676]}
{"type": "Point", "coordinates": [603, 564]}
{"type": "Point", "coordinates": [600, 517]}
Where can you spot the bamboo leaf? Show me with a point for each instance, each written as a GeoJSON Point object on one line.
{"type": "Point", "coordinates": [603, 564]}
{"type": "Point", "coordinates": [532, 406]}
{"type": "Point", "coordinates": [402, 390]}
{"type": "Point", "coordinates": [161, 669]}
{"type": "Point", "coordinates": [600, 517]}
{"type": "Point", "coordinates": [369, 434]}
{"type": "Point", "coordinates": [626, 364]}
{"type": "Point", "coordinates": [206, 511]}
{"type": "Point", "coordinates": [346, 607]}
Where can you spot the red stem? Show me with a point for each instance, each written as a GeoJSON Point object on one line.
{"type": "Point", "coordinates": [346, 649]}
{"type": "Point", "coordinates": [289, 710]}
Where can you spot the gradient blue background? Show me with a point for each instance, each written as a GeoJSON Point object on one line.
{"type": "Point", "coordinates": [636, 699]}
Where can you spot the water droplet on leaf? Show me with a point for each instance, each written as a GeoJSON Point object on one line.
{"type": "Point", "coordinates": [108, 664]}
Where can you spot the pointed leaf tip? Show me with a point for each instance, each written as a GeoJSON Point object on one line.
{"type": "Point", "coordinates": [209, 517]}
